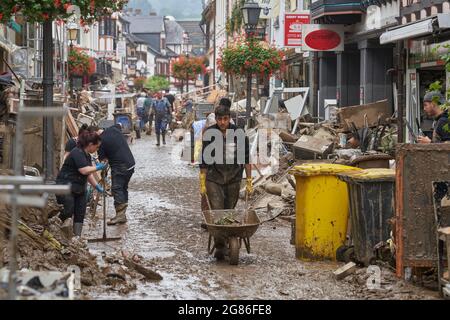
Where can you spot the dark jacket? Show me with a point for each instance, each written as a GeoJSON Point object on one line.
{"type": "Point", "coordinates": [441, 131]}
{"type": "Point", "coordinates": [115, 148]}
{"type": "Point", "coordinates": [222, 171]}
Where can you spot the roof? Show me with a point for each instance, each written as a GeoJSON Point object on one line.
{"type": "Point", "coordinates": [145, 24]}
{"type": "Point", "coordinates": [193, 29]}
{"type": "Point", "coordinates": [134, 38]}
{"type": "Point", "coordinates": [174, 32]}
{"type": "Point", "coordinates": [171, 53]}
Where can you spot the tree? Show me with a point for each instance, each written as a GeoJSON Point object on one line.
{"type": "Point", "coordinates": [186, 68]}
{"type": "Point", "coordinates": [157, 83]}
{"type": "Point", "coordinates": [139, 83]}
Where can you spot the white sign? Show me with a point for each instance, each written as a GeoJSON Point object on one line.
{"type": "Point", "coordinates": [121, 49]}
{"type": "Point", "coordinates": [269, 8]}
{"type": "Point", "coordinates": [322, 37]}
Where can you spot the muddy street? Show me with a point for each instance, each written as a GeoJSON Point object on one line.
{"type": "Point", "coordinates": [164, 228]}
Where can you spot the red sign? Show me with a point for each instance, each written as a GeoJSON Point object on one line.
{"type": "Point", "coordinates": [293, 28]}
{"type": "Point", "coordinates": [323, 40]}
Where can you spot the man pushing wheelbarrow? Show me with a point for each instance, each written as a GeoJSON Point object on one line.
{"type": "Point", "coordinates": [225, 155]}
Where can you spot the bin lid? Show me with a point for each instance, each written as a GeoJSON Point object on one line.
{"type": "Point", "coordinates": [315, 169]}
{"type": "Point", "coordinates": [369, 175]}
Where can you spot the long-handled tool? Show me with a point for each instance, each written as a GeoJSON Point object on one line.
{"type": "Point", "coordinates": [104, 238]}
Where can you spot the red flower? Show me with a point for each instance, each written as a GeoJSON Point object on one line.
{"type": "Point", "coordinates": [1, 16]}
{"type": "Point", "coordinates": [67, 5]}
{"type": "Point", "coordinates": [57, 3]}
{"type": "Point", "coordinates": [45, 16]}
{"type": "Point", "coordinates": [15, 8]}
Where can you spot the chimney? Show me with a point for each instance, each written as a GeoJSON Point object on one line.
{"type": "Point", "coordinates": [153, 13]}
{"type": "Point", "coordinates": [137, 12]}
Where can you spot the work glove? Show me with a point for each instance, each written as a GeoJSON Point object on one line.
{"type": "Point", "coordinates": [249, 185]}
{"type": "Point", "coordinates": [100, 166]}
{"type": "Point", "coordinates": [99, 188]}
{"type": "Point", "coordinates": [203, 183]}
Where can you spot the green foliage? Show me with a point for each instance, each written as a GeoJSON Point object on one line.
{"type": "Point", "coordinates": [234, 23]}
{"type": "Point", "coordinates": [139, 83]}
{"type": "Point", "coordinates": [78, 62]}
{"type": "Point", "coordinates": [42, 10]}
{"type": "Point", "coordinates": [435, 86]}
{"type": "Point", "coordinates": [157, 83]}
{"type": "Point", "coordinates": [185, 67]}
{"type": "Point", "coordinates": [246, 56]}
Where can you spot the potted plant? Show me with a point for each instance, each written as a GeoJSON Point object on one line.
{"type": "Point", "coordinates": [250, 56]}
{"type": "Point", "coordinates": [188, 68]}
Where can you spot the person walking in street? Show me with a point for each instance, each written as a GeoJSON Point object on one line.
{"type": "Point", "coordinates": [140, 110]}
{"type": "Point", "coordinates": [162, 113]}
{"type": "Point", "coordinates": [77, 170]}
{"type": "Point", "coordinates": [116, 150]}
{"type": "Point", "coordinates": [431, 105]}
{"type": "Point", "coordinates": [148, 111]}
{"type": "Point", "coordinates": [220, 178]}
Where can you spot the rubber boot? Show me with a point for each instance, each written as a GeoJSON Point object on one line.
{"type": "Point", "coordinates": [158, 141]}
{"type": "Point", "coordinates": [164, 138]}
{"type": "Point", "coordinates": [77, 229]}
{"type": "Point", "coordinates": [120, 217]}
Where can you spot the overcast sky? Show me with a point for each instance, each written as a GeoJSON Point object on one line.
{"type": "Point", "coordinates": [180, 9]}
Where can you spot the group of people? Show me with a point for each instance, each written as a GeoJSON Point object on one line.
{"type": "Point", "coordinates": [157, 108]}
{"type": "Point", "coordinates": [79, 167]}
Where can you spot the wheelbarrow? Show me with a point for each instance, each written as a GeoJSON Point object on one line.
{"type": "Point", "coordinates": [234, 226]}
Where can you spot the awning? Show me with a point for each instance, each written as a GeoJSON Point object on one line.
{"type": "Point", "coordinates": [416, 29]}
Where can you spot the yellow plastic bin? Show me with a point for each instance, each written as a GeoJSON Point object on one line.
{"type": "Point", "coordinates": [322, 210]}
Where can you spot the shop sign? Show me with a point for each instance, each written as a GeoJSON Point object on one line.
{"type": "Point", "coordinates": [321, 37]}
{"type": "Point", "coordinates": [293, 28]}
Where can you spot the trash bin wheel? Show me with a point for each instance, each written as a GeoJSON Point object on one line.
{"type": "Point", "coordinates": [234, 250]}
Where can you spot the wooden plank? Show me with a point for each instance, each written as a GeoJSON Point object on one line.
{"type": "Point", "coordinates": [355, 114]}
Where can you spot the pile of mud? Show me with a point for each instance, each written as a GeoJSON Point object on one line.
{"type": "Point", "coordinates": [42, 246]}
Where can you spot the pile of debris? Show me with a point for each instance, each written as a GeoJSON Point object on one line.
{"type": "Point", "coordinates": [43, 246]}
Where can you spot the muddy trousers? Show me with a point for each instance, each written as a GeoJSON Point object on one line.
{"type": "Point", "coordinates": [74, 206]}
{"type": "Point", "coordinates": [160, 126]}
{"type": "Point", "coordinates": [120, 179]}
{"type": "Point", "coordinates": [222, 197]}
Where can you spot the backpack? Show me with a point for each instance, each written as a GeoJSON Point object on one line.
{"type": "Point", "coordinates": [161, 107]}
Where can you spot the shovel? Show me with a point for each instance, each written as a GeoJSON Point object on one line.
{"type": "Point", "coordinates": [104, 238]}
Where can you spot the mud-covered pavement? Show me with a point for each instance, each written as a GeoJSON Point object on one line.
{"type": "Point", "coordinates": [164, 228]}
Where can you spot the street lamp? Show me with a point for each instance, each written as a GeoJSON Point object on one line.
{"type": "Point", "coordinates": [72, 30]}
{"type": "Point", "coordinates": [250, 12]}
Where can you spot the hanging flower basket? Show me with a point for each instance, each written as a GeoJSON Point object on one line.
{"type": "Point", "coordinates": [80, 63]}
{"type": "Point", "coordinates": [250, 56]}
{"type": "Point", "coordinates": [42, 10]}
{"type": "Point", "coordinates": [185, 67]}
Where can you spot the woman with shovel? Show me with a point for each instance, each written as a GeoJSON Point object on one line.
{"type": "Point", "coordinates": [77, 171]}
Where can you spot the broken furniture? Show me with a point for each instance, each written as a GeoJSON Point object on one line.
{"type": "Point", "coordinates": [417, 167]}
{"type": "Point", "coordinates": [441, 209]}
{"type": "Point", "coordinates": [321, 210]}
{"type": "Point", "coordinates": [371, 197]}
{"type": "Point", "coordinates": [376, 114]}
